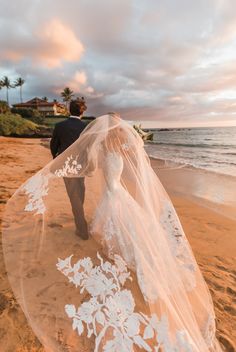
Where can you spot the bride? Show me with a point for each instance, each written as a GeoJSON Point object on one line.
{"type": "Point", "coordinates": [135, 284]}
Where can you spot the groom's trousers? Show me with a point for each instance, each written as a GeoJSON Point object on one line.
{"type": "Point", "coordinates": [76, 191]}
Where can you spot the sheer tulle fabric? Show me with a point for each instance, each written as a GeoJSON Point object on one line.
{"type": "Point", "coordinates": [134, 285]}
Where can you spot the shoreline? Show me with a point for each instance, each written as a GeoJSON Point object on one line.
{"type": "Point", "coordinates": [209, 189]}
{"type": "Point", "coordinates": [174, 165]}
{"type": "Point", "coordinates": [211, 236]}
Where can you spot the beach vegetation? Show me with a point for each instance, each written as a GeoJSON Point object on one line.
{"type": "Point", "coordinates": [67, 94]}
{"type": "Point", "coordinates": [6, 83]}
{"type": "Point", "coordinates": [19, 82]}
{"type": "Point", "coordinates": [15, 125]}
{"type": "Point", "coordinates": [4, 107]}
{"type": "Point", "coordinates": [30, 114]}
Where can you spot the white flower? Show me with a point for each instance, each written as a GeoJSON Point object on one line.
{"type": "Point", "coordinates": [99, 284]}
{"type": "Point", "coordinates": [64, 264]}
{"type": "Point", "coordinates": [112, 307]}
{"type": "Point", "coordinates": [70, 310]}
{"type": "Point", "coordinates": [125, 146]}
{"type": "Point", "coordinates": [36, 188]}
{"type": "Point", "coordinates": [87, 264]}
{"type": "Point", "coordinates": [78, 325]}
{"type": "Point", "coordinates": [86, 311]}
{"type": "Point", "coordinates": [70, 167]}
{"type": "Point", "coordinates": [132, 325]}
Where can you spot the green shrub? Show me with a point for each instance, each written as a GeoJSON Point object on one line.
{"type": "Point", "coordinates": [51, 121]}
{"type": "Point", "coordinates": [30, 114]}
{"type": "Point", "coordinates": [4, 107]}
{"type": "Point", "coordinates": [11, 124]}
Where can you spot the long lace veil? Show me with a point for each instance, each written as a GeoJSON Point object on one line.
{"type": "Point", "coordinates": [134, 285]}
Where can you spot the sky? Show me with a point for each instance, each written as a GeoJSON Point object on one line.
{"type": "Point", "coordinates": [166, 61]}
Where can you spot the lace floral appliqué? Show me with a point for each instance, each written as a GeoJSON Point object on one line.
{"type": "Point", "coordinates": [36, 188]}
{"type": "Point", "coordinates": [71, 167]}
{"type": "Point", "coordinates": [125, 146]}
{"type": "Point", "coordinates": [109, 314]}
{"type": "Point", "coordinates": [179, 244]}
{"type": "Point", "coordinates": [209, 330]}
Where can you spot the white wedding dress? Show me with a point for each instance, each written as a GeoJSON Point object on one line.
{"type": "Point", "coordinates": [118, 220]}
{"type": "Point", "coordinates": [115, 205]}
{"type": "Point", "coordinates": [141, 290]}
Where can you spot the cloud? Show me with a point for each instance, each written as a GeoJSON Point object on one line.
{"type": "Point", "coordinates": [79, 80]}
{"type": "Point", "coordinates": [159, 59]}
{"type": "Point", "coordinates": [58, 44]}
{"type": "Point", "coordinates": [49, 45]}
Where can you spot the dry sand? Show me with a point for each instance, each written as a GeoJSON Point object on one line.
{"type": "Point", "coordinates": [211, 235]}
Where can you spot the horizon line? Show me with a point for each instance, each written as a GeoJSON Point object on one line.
{"type": "Point", "coordinates": [184, 124]}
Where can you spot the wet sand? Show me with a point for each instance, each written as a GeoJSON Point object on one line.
{"type": "Point", "coordinates": [211, 234]}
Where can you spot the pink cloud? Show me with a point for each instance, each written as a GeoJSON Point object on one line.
{"type": "Point", "coordinates": [59, 43]}
{"type": "Point", "coordinates": [50, 45]}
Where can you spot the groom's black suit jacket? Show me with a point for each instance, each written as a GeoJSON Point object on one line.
{"type": "Point", "coordinates": [65, 133]}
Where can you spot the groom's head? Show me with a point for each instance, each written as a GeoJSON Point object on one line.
{"type": "Point", "coordinates": [77, 106]}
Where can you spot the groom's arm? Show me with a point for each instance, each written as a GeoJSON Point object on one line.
{"type": "Point", "coordinates": [54, 143]}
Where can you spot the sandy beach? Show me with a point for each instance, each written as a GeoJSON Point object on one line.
{"type": "Point", "coordinates": [209, 224]}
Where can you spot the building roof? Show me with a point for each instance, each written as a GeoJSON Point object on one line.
{"type": "Point", "coordinates": [37, 102]}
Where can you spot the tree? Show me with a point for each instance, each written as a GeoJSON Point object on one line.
{"type": "Point", "coordinates": [19, 83]}
{"type": "Point", "coordinates": [7, 84]}
{"type": "Point", "coordinates": [0, 84]}
{"type": "Point", "coordinates": [4, 107]}
{"type": "Point", "coordinates": [45, 98]}
{"type": "Point", "coordinates": [67, 95]}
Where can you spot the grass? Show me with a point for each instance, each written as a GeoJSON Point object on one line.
{"type": "Point", "coordinates": [51, 121]}
{"type": "Point", "coordinates": [12, 124]}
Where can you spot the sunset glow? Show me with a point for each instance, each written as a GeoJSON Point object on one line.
{"type": "Point", "coordinates": [169, 62]}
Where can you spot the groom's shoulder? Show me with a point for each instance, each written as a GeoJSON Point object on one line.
{"type": "Point", "coordinates": [68, 122]}
{"type": "Point", "coordinates": [60, 124]}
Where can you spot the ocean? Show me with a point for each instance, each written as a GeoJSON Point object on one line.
{"type": "Point", "coordinates": [212, 149]}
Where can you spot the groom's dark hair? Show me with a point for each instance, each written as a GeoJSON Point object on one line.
{"type": "Point", "coordinates": [77, 106]}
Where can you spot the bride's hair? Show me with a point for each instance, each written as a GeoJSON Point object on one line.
{"type": "Point", "coordinates": [114, 114]}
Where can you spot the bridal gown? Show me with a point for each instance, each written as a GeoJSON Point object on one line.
{"type": "Point", "coordinates": [134, 285]}
{"type": "Point", "coordinates": [116, 224]}
{"type": "Point", "coordinates": [114, 213]}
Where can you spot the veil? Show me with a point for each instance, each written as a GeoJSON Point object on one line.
{"type": "Point", "coordinates": [134, 285]}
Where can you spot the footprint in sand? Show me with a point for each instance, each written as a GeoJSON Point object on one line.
{"type": "Point", "coordinates": [231, 291]}
{"type": "Point", "coordinates": [4, 303]}
{"type": "Point", "coordinates": [221, 267]}
{"type": "Point", "coordinates": [215, 285]}
{"type": "Point", "coordinates": [227, 343]}
{"type": "Point", "coordinates": [230, 309]}
{"type": "Point", "coordinates": [35, 273]}
{"type": "Point", "coordinates": [52, 224]}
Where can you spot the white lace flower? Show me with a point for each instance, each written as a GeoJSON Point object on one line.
{"type": "Point", "coordinates": [36, 188]}
{"type": "Point", "coordinates": [70, 310]}
{"type": "Point", "coordinates": [70, 167]}
{"type": "Point", "coordinates": [179, 245]}
{"type": "Point", "coordinates": [125, 146]}
{"type": "Point", "coordinates": [112, 308]}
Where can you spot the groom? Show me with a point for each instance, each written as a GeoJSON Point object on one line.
{"type": "Point", "coordinates": [66, 133]}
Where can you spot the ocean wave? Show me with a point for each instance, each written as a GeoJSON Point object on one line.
{"type": "Point", "coordinates": [210, 149]}
{"type": "Point", "coordinates": [229, 170]}
{"type": "Point", "coordinates": [192, 145]}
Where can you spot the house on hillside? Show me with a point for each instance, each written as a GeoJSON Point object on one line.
{"type": "Point", "coordinates": [44, 107]}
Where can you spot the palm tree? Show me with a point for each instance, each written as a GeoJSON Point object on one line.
{"type": "Point", "coordinates": [0, 84]}
{"type": "Point", "coordinates": [67, 95]}
{"type": "Point", "coordinates": [6, 83]}
{"type": "Point", "coordinates": [19, 83]}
